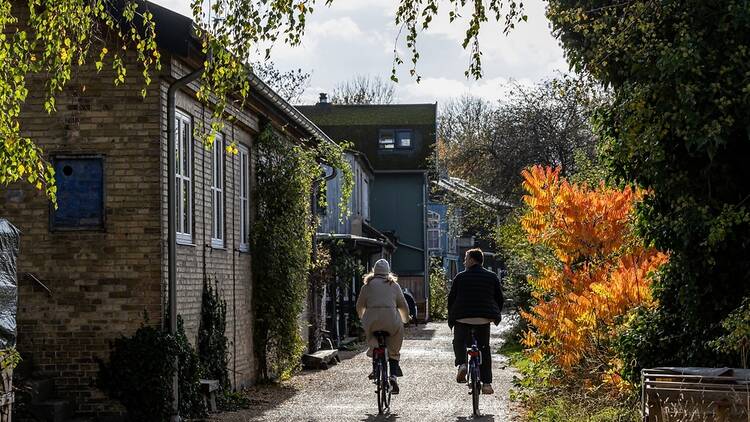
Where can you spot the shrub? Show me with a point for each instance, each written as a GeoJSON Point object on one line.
{"type": "Point", "coordinates": [438, 291]}
{"type": "Point", "coordinates": [140, 371]}
{"type": "Point", "coordinates": [213, 347]}
{"type": "Point", "coordinates": [599, 274]}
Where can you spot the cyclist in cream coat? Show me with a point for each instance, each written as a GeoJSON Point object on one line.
{"type": "Point", "coordinates": [381, 306]}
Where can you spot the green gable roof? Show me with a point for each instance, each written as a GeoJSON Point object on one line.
{"type": "Point", "coordinates": [375, 114]}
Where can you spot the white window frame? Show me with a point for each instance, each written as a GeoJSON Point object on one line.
{"type": "Point", "coordinates": [433, 229]}
{"type": "Point", "coordinates": [218, 214]}
{"type": "Point", "coordinates": [244, 190]}
{"type": "Point", "coordinates": [366, 199]}
{"type": "Point", "coordinates": [452, 244]}
{"type": "Point", "coordinates": [183, 177]}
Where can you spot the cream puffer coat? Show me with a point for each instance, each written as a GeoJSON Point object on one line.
{"type": "Point", "coordinates": [381, 306]}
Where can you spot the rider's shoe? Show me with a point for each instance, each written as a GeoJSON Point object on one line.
{"type": "Point", "coordinates": [394, 385]}
{"type": "Point", "coordinates": [395, 368]}
{"type": "Point", "coordinates": [461, 375]}
{"type": "Point", "coordinates": [487, 389]}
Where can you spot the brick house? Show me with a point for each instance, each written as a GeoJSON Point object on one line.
{"type": "Point", "coordinates": [90, 270]}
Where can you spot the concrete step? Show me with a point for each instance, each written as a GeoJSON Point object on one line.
{"type": "Point", "coordinates": [54, 410]}
{"type": "Point", "coordinates": [320, 359]}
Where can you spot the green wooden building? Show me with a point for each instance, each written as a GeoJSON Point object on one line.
{"type": "Point", "coordinates": [398, 140]}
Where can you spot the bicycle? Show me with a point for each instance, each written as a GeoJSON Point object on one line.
{"type": "Point", "coordinates": [380, 368]}
{"type": "Point", "coordinates": [472, 373]}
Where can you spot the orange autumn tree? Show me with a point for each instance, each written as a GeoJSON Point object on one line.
{"type": "Point", "coordinates": [600, 271]}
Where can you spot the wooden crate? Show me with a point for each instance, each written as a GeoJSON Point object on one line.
{"type": "Point", "coordinates": [695, 394]}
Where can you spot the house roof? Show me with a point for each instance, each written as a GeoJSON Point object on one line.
{"type": "Point", "coordinates": [384, 243]}
{"type": "Point", "coordinates": [176, 34]}
{"type": "Point", "coordinates": [326, 114]}
{"type": "Point", "coordinates": [466, 190]}
{"type": "Point", "coordinates": [362, 125]}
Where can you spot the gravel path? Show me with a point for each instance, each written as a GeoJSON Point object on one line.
{"type": "Point", "coordinates": [429, 391]}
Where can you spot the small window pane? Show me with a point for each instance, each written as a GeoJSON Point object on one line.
{"type": "Point", "coordinates": [386, 139]}
{"type": "Point", "coordinates": [403, 138]}
{"type": "Point", "coordinates": [178, 206]}
{"type": "Point", "coordinates": [186, 206]}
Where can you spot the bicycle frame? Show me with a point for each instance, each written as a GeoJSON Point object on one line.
{"type": "Point", "coordinates": [473, 373]}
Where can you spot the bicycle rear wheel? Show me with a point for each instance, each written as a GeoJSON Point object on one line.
{"type": "Point", "coordinates": [475, 389]}
{"type": "Point", "coordinates": [380, 387]}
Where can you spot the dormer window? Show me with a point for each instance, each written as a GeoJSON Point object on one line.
{"type": "Point", "coordinates": [403, 139]}
{"type": "Point", "coordinates": [396, 139]}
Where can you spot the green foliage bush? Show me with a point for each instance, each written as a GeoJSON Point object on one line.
{"type": "Point", "coordinates": [189, 374]}
{"type": "Point", "coordinates": [677, 126]}
{"type": "Point", "coordinates": [737, 333]}
{"type": "Point", "coordinates": [438, 291]}
{"type": "Point", "coordinates": [140, 371]}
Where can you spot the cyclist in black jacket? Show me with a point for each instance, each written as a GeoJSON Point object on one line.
{"type": "Point", "coordinates": [475, 301]}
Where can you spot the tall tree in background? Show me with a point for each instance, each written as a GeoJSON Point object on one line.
{"type": "Point", "coordinates": [364, 89]}
{"type": "Point", "coordinates": [290, 84]}
{"type": "Point", "coordinates": [489, 144]}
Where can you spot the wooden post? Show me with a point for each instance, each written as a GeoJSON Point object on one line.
{"type": "Point", "coordinates": [7, 397]}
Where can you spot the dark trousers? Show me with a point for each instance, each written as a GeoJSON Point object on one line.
{"type": "Point", "coordinates": [462, 341]}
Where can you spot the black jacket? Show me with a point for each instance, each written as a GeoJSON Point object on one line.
{"type": "Point", "coordinates": [475, 293]}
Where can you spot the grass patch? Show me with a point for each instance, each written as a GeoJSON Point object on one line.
{"type": "Point", "coordinates": [561, 409]}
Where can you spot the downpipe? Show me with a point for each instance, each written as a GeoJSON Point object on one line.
{"type": "Point", "coordinates": [171, 226]}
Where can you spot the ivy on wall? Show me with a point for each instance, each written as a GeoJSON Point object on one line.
{"type": "Point", "coordinates": [213, 345]}
{"type": "Point", "coordinates": [283, 238]}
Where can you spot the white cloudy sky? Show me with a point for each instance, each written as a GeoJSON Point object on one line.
{"type": "Point", "coordinates": [357, 37]}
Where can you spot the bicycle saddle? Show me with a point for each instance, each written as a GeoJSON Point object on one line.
{"type": "Point", "coordinates": [381, 334]}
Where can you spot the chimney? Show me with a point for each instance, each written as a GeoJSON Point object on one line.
{"type": "Point", "coordinates": [323, 98]}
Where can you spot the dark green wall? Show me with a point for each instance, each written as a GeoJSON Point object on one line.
{"type": "Point", "coordinates": [397, 204]}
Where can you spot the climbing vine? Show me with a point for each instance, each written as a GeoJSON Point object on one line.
{"type": "Point", "coordinates": [283, 238]}
{"type": "Point", "coordinates": [213, 346]}
{"type": "Point", "coordinates": [344, 264]}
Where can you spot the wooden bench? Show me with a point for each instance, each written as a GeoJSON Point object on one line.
{"type": "Point", "coordinates": [209, 389]}
{"type": "Point", "coordinates": [700, 394]}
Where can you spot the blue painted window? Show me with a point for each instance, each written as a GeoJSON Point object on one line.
{"type": "Point", "coordinates": [80, 193]}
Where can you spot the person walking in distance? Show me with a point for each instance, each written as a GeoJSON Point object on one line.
{"type": "Point", "coordinates": [475, 301]}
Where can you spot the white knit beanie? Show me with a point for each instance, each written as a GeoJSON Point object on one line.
{"type": "Point", "coordinates": [382, 267]}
